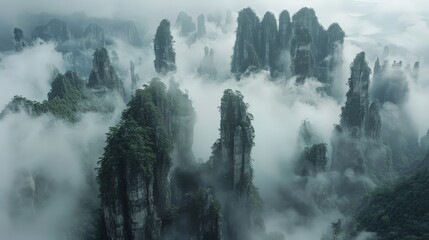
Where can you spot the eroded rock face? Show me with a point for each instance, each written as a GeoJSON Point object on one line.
{"type": "Point", "coordinates": [356, 142]}
{"type": "Point", "coordinates": [135, 79]}
{"type": "Point", "coordinates": [201, 26]}
{"type": "Point", "coordinates": [268, 49]}
{"type": "Point", "coordinates": [302, 59]}
{"type": "Point", "coordinates": [103, 76]}
{"type": "Point", "coordinates": [301, 47]}
{"type": "Point", "coordinates": [154, 135]}
{"type": "Point", "coordinates": [245, 56]}
{"type": "Point", "coordinates": [233, 170]}
{"type": "Point", "coordinates": [94, 36]}
{"type": "Point", "coordinates": [56, 30]}
{"type": "Point", "coordinates": [165, 56]}
{"type": "Point", "coordinates": [18, 37]}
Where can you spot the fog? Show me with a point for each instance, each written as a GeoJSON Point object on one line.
{"type": "Point", "coordinates": [67, 153]}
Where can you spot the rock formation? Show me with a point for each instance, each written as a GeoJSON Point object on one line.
{"type": "Point", "coordinates": [56, 30]}
{"type": "Point", "coordinates": [312, 160]}
{"type": "Point", "coordinates": [268, 49]}
{"type": "Point", "coordinates": [245, 56]}
{"type": "Point", "coordinates": [94, 37]}
{"type": "Point", "coordinates": [103, 76]}
{"type": "Point", "coordinates": [153, 138]}
{"type": "Point", "coordinates": [284, 37]}
{"type": "Point", "coordinates": [233, 169]}
{"type": "Point", "coordinates": [302, 59]}
{"type": "Point", "coordinates": [207, 66]}
{"type": "Point", "coordinates": [165, 57]}
{"type": "Point", "coordinates": [301, 47]}
{"type": "Point", "coordinates": [185, 24]}
{"type": "Point", "coordinates": [18, 37]}
{"type": "Point", "coordinates": [356, 143]}
{"type": "Point", "coordinates": [201, 26]}
{"type": "Point", "coordinates": [68, 97]}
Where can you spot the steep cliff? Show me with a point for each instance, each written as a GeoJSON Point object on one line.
{"type": "Point", "coordinates": [103, 76]}
{"type": "Point", "coordinates": [233, 170]}
{"type": "Point", "coordinates": [165, 57]}
{"type": "Point", "coordinates": [94, 37]}
{"type": "Point", "coordinates": [245, 56]}
{"type": "Point", "coordinates": [56, 30]}
{"type": "Point", "coordinates": [302, 59]}
{"type": "Point", "coordinates": [149, 147]}
{"type": "Point", "coordinates": [284, 36]}
{"type": "Point", "coordinates": [268, 49]}
{"type": "Point", "coordinates": [201, 26]}
{"type": "Point", "coordinates": [18, 37]}
{"type": "Point", "coordinates": [356, 142]}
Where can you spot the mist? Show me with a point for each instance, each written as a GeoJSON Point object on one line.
{"type": "Point", "coordinates": [66, 153]}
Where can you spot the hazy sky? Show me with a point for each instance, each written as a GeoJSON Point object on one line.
{"type": "Point", "coordinates": [278, 108]}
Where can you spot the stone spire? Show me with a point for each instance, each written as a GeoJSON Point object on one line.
{"type": "Point", "coordinates": [165, 57]}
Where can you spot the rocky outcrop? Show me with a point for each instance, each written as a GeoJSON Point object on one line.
{"type": "Point", "coordinates": [67, 98]}
{"type": "Point", "coordinates": [302, 59]}
{"type": "Point", "coordinates": [245, 56]}
{"type": "Point", "coordinates": [232, 166]}
{"type": "Point", "coordinates": [268, 49]}
{"type": "Point", "coordinates": [56, 30]}
{"type": "Point", "coordinates": [165, 57]}
{"type": "Point", "coordinates": [207, 66]}
{"type": "Point", "coordinates": [154, 136]}
{"type": "Point", "coordinates": [284, 38]}
{"type": "Point", "coordinates": [103, 76]}
{"type": "Point", "coordinates": [94, 37]}
{"type": "Point", "coordinates": [185, 24]}
{"type": "Point", "coordinates": [312, 159]}
{"type": "Point", "coordinates": [301, 47]}
{"type": "Point", "coordinates": [354, 113]}
{"type": "Point", "coordinates": [18, 37]}
{"type": "Point", "coordinates": [356, 142]}
{"type": "Point", "coordinates": [201, 26]}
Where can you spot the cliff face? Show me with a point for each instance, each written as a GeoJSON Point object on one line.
{"type": "Point", "coordinates": [201, 26]}
{"type": "Point", "coordinates": [94, 37]}
{"type": "Point", "coordinates": [268, 49]}
{"type": "Point", "coordinates": [18, 37]}
{"type": "Point", "coordinates": [233, 170]}
{"type": "Point", "coordinates": [356, 142]}
{"type": "Point", "coordinates": [302, 59]}
{"type": "Point", "coordinates": [153, 138]}
{"type": "Point", "coordinates": [56, 30]}
{"type": "Point", "coordinates": [301, 47]}
{"type": "Point", "coordinates": [103, 76]}
{"type": "Point", "coordinates": [165, 57]}
{"type": "Point", "coordinates": [245, 55]}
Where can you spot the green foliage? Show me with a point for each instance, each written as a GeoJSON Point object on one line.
{"type": "Point", "coordinates": [67, 98]}
{"type": "Point", "coordinates": [400, 211]}
{"type": "Point", "coordinates": [128, 145]}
